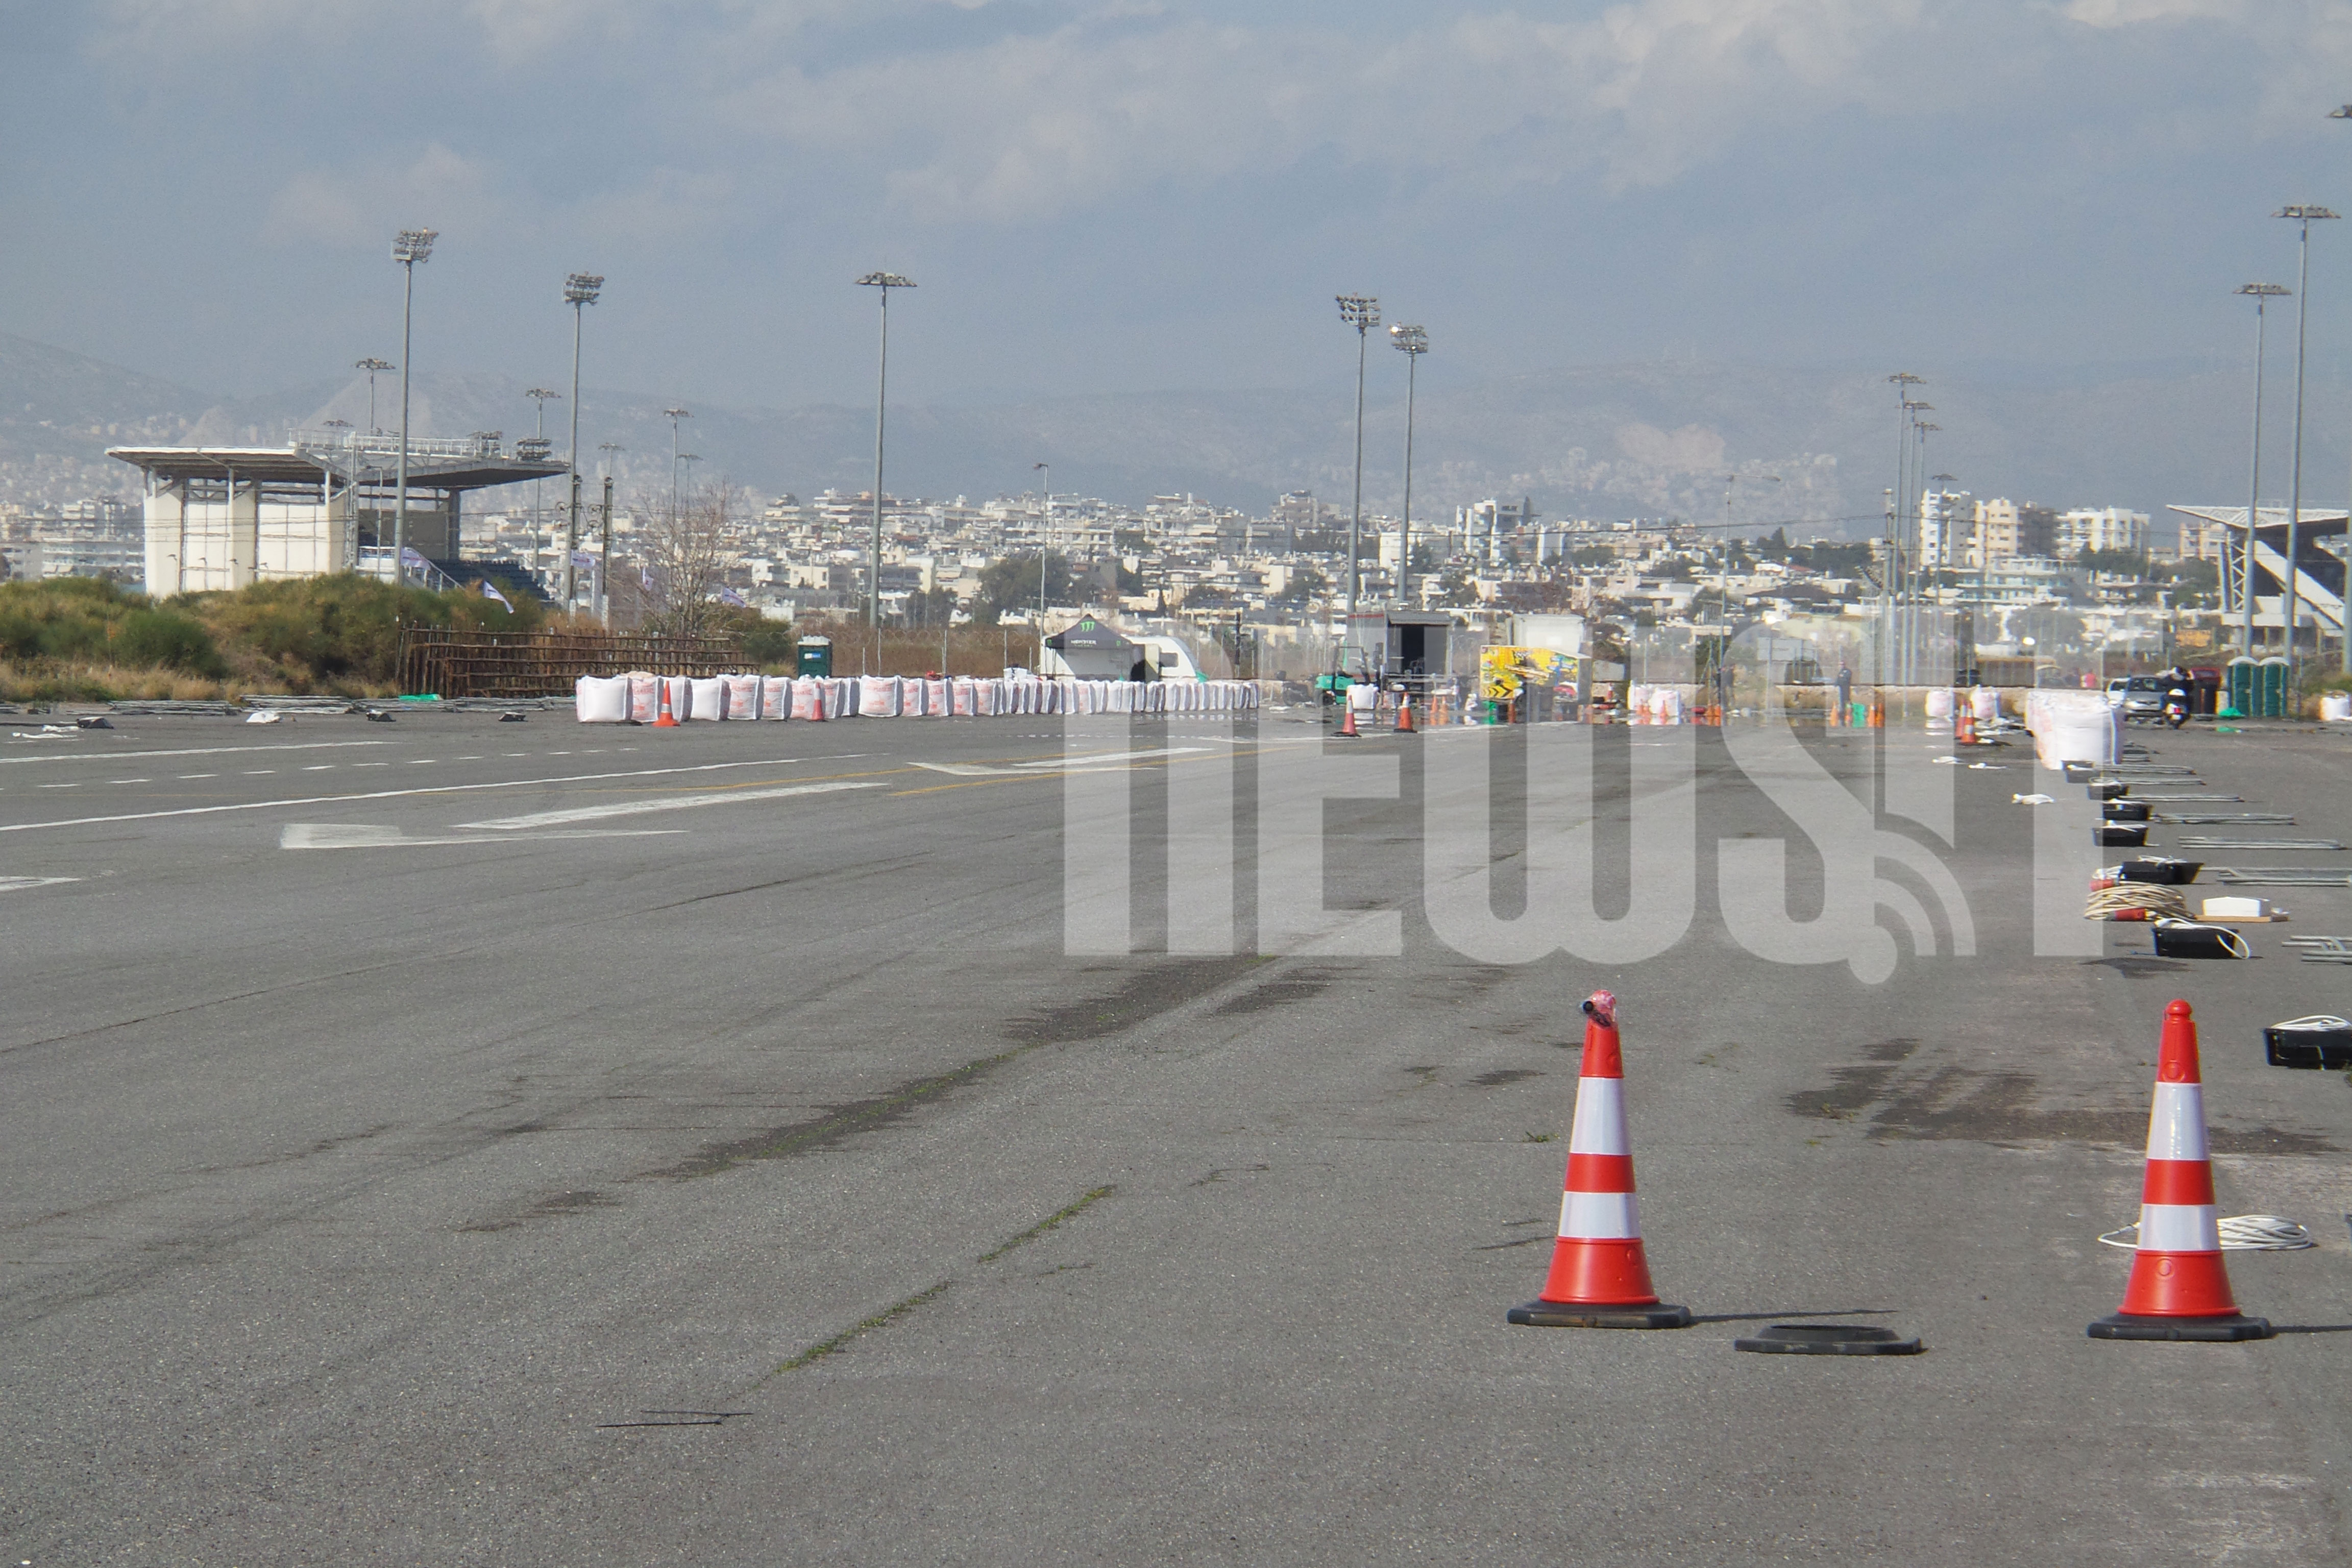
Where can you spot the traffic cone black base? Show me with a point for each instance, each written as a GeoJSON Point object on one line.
{"type": "Point", "coordinates": [2230, 1330]}
{"type": "Point", "coordinates": [1542, 1314]}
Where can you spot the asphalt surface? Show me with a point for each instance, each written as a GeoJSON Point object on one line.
{"type": "Point", "coordinates": [724, 1160]}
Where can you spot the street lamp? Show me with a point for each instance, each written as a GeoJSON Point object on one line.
{"type": "Point", "coordinates": [2302, 216]}
{"type": "Point", "coordinates": [538, 396]}
{"type": "Point", "coordinates": [410, 246]}
{"type": "Point", "coordinates": [579, 292]}
{"type": "Point", "coordinates": [1045, 543]}
{"type": "Point", "coordinates": [371, 366]}
{"type": "Point", "coordinates": [2262, 294]}
{"type": "Point", "coordinates": [886, 281]}
{"type": "Point", "coordinates": [1412, 342]}
{"type": "Point", "coordinates": [1362, 313]}
{"type": "Point", "coordinates": [605, 532]}
{"type": "Point", "coordinates": [674, 415]}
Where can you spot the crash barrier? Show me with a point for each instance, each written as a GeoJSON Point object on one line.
{"type": "Point", "coordinates": [636, 696]}
{"type": "Point", "coordinates": [2073, 727]}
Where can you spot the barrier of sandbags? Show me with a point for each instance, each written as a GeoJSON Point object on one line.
{"type": "Point", "coordinates": [776, 696]}
{"type": "Point", "coordinates": [1940, 707]}
{"type": "Point", "coordinates": [841, 694]}
{"type": "Point", "coordinates": [1985, 703]}
{"type": "Point", "coordinates": [601, 699]}
{"type": "Point", "coordinates": [2073, 727]}
{"type": "Point", "coordinates": [809, 698]}
{"type": "Point", "coordinates": [877, 697]}
{"type": "Point", "coordinates": [681, 696]}
{"type": "Point", "coordinates": [938, 699]}
{"type": "Point", "coordinates": [914, 701]}
{"type": "Point", "coordinates": [707, 698]}
{"type": "Point", "coordinates": [644, 696]}
{"type": "Point", "coordinates": [743, 695]}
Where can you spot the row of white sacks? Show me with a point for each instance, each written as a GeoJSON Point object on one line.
{"type": "Point", "coordinates": [1984, 705]}
{"type": "Point", "coordinates": [618, 699]}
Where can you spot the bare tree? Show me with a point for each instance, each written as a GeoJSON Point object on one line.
{"type": "Point", "coordinates": [683, 557]}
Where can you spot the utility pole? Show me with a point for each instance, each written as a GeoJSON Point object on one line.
{"type": "Point", "coordinates": [885, 282]}
{"type": "Point", "coordinates": [2262, 294]}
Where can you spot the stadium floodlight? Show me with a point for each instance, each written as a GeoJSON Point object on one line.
{"type": "Point", "coordinates": [1413, 343]}
{"type": "Point", "coordinates": [409, 246]}
{"type": "Point", "coordinates": [884, 282]}
{"type": "Point", "coordinates": [2303, 216]}
{"type": "Point", "coordinates": [580, 291]}
{"type": "Point", "coordinates": [2262, 294]}
{"type": "Point", "coordinates": [372, 366]}
{"type": "Point", "coordinates": [1361, 311]}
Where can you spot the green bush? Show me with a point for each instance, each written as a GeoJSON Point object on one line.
{"type": "Point", "coordinates": [145, 639]}
{"type": "Point", "coordinates": [339, 631]}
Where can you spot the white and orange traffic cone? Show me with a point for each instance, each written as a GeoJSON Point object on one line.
{"type": "Point", "coordinates": [1964, 730]}
{"type": "Point", "coordinates": [663, 718]}
{"type": "Point", "coordinates": [1404, 726]}
{"type": "Point", "coordinates": [1600, 1277]}
{"type": "Point", "coordinates": [2179, 1288]}
{"type": "Point", "coordinates": [1348, 731]}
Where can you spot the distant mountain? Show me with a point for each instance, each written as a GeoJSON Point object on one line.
{"type": "Point", "coordinates": [1816, 447]}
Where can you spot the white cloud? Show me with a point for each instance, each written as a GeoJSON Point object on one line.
{"type": "Point", "coordinates": [2134, 13]}
{"type": "Point", "coordinates": [437, 189]}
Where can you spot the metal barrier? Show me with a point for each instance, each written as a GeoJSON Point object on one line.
{"type": "Point", "coordinates": [441, 662]}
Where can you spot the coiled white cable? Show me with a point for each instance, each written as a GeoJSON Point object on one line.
{"type": "Point", "coordinates": [2240, 1232]}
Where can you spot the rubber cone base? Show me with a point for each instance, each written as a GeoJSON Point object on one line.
{"type": "Point", "coordinates": [2225, 1330]}
{"type": "Point", "coordinates": [1542, 1315]}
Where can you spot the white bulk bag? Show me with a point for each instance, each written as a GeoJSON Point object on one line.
{"type": "Point", "coordinates": [938, 700]}
{"type": "Point", "coordinates": [645, 696]}
{"type": "Point", "coordinates": [776, 696]}
{"type": "Point", "coordinates": [742, 696]}
{"type": "Point", "coordinates": [681, 696]}
{"type": "Point", "coordinates": [841, 695]}
{"type": "Point", "coordinates": [910, 697]}
{"type": "Point", "coordinates": [2073, 727]}
{"type": "Point", "coordinates": [877, 697]}
{"type": "Point", "coordinates": [1940, 707]}
{"type": "Point", "coordinates": [1985, 701]}
{"type": "Point", "coordinates": [809, 698]}
{"type": "Point", "coordinates": [708, 699]}
{"type": "Point", "coordinates": [600, 700]}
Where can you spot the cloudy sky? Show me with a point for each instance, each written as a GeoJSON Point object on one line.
{"type": "Point", "coordinates": [1110, 195]}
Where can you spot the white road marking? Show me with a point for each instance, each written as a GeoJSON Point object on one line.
{"type": "Point", "coordinates": [355, 836]}
{"type": "Point", "coordinates": [668, 803]}
{"type": "Point", "coordinates": [185, 777]}
{"type": "Point", "coordinates": [188, 752]}
{"type": "Point", "coordinates": [399, 793]}
{"type": "Point", "coordinates": [18, 884]}
{"type": "Point", "coordinates": [422, 762]}
{"type": "Point", "coordinates": [1059, 765]}
{"type": "Point", "coordinates": [259, 772]}
{"type": "Point", "coordinates": [371, 765]}
{"type": "Point", "coordinates": [130, 781]}
{"type": "Point", "coordinates": [58, 786]}
{"type": "Point", "coordinates": [319, 768]}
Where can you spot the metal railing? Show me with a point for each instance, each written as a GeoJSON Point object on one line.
{"type": "Point", "coordinates": [446, 662]}
{"type": "Point", "coordinates": [376, 444]}
{"type": "Point", "coordinates": [377, 564]}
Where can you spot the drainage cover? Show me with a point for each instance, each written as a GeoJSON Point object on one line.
{"type": "Point", "coordinates": [1829, 1338]}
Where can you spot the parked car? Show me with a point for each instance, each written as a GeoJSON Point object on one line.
{"type": "Point", "coordinates": [2139, 695]}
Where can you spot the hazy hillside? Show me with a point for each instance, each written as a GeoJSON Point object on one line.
{"type": "Point", "coordinates": [1605, 441]}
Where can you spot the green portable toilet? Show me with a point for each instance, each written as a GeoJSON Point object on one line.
{"type": "Point", "coordinates": [2238, 689]}
{"type": "Point", "coordinates": [816, 657]}
{"type": "Point", "coordinates": [2269, 688]}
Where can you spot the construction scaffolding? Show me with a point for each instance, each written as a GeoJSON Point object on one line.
{"type": "Point", "coordinates": [437, 661]}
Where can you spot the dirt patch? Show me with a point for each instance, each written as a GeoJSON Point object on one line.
{"type": "Point", "coordinates": [1892, 1096]}
{"type": "Point", "coordinates": [1298, 986]}
{"type": "Point", "coordinates": [1502, 1075]}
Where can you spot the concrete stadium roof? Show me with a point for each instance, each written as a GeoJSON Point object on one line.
{"type": "Point", "coordinates": [435, 465]}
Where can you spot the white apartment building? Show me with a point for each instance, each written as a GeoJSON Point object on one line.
{"type": "Point", "coordinates": [2106, 528]}
{"type": "Point", "coordinates": [1947, 524]}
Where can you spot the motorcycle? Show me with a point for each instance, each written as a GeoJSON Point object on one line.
{"type": "Point", "coordinates": [2176, 708]}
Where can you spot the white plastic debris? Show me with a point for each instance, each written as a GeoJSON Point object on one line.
{"type": "Point", "coordinates": [2033, 800]}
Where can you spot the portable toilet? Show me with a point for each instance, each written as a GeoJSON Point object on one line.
{"type": "Point", "coordinates": [2239, 685]}
{"type": "Point", "coordinates": [2270, 688]}
{"type": "Point", "coordinates": [816, 657]}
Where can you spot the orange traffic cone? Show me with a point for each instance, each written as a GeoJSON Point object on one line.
{"type": "Point", "coordinates": [1600, 1279]}
{"type": "Point", "coordinates": [1404, 726]}
{"type": "Point", "coordinates": [1964, 732]}
{"type": "Point", "coordinates": [665, 719]}
{"type": "Point", "coordinates": [1348, 731]}
{"type": "Point", "coordinates": [2180, 1289]}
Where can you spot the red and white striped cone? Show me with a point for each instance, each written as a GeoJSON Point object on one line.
{"type": "Point", "coordinates": [2179, 1288]}
{"type": "Point", "coordinates": [1600, 1277]}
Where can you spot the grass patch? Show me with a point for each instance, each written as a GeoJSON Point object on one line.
{"type": "Point", "coordinates": [824, 1348]}
{"type": "Point", "coordinates": [1050, 1222]}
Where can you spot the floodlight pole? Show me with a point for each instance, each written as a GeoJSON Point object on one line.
{"type": "Point", "coordinates": [1362, 313]}
{"type": "Point", "coordinates": [1045, 543]}
{"type": "Point", "coordinates": [1412, 342]}
{"type": "Point", "coordinates": [2304, 217]}
{"type": "Point", "coordinates": [409, 248]}
{"type": "Point", "coordinates": [886, 281]}
{"type": "Point", "coordinates": [372, 366]}
{"type": "Point", "coordinates": [579, 292]}
{"type": "Point", "coordinates": [604, 566]}
{"type": "Point", "coordinates": [538, 396]}
{"type": "Point", "coordinates": [2262, 294]}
